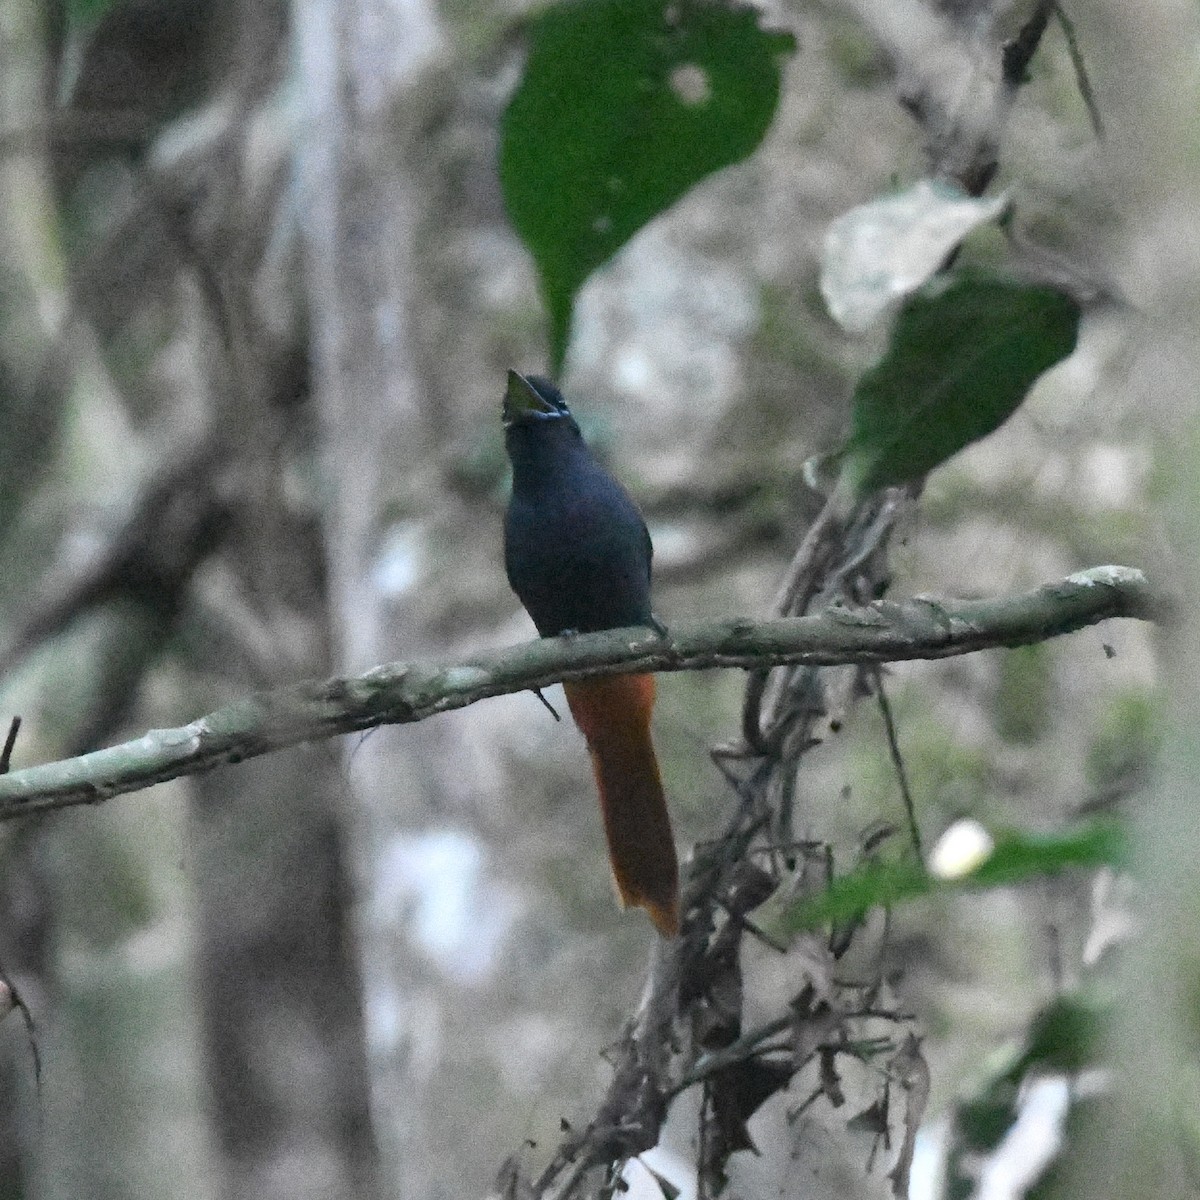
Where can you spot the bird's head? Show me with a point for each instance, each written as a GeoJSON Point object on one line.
{"type": "Point", "coordinates": [529, 399]}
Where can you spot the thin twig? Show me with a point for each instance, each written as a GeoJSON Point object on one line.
{"type": "Point", "coordinates": [893, 742]}
{"type": "Point", "coordinates": [9, 743]}
{"type": "Point", "coordinates": [14, 1000]}
{"type": "Point", "coordinates": [1082, 80]}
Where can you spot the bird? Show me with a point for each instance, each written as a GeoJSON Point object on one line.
{"type": "Point", "coordinates": [578, 555]}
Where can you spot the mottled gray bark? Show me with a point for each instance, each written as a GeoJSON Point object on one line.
{"type": "Point", "coordinates": [405, 693]}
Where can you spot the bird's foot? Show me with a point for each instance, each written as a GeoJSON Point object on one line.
{"type": "Point", "coordinates": [659, 627]}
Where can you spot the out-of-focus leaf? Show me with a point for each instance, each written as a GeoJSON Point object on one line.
{"type": "Point", "coordinates": [848, 897]}
{"type": "Point", "coordinates": [1023, 703]}
{"type": "Point", "coordinates": [624, 106]}
{"type": "Point", "coordinates": [1027, 855]}
{"type": "Point", "coordinates": [1017, 857]}
{"type": "Point", "coordinates": [961, 360]}
{"type": "Point", "coordinates": [1064, 1039]}
{"type": "Point", "coordinates": [83, 14]}
{"type": "Point", "coordinates": [885, 249]}
{"type": "Point", "coordinates": [981, 1123]}
{"type": "Point", "coordinates": [1065, 1036]}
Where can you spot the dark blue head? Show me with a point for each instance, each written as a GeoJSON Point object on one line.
{"type": "Point", "coordinates": [532, 399]}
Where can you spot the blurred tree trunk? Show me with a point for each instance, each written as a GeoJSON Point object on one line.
{"type": "Point", "coordinates": [277, 973]}
{"type": "Point", "coordinates": [103, 923]}
{"type": "Point", "coordinates": [360, 65]}
{"type": "Point", "coordinates": [279, 984]}
{"type": "Point", "coordinates": [92, 945]}
{"type": "Point", "coordinates": [277, 970]}
{"type": "Point", "coordinates": [32, 379]}
{"type": "Point", "coordinates": [1142, 1136]}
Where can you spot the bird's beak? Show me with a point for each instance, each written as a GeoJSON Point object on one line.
{"type": "Point", "coordinates": [522, 399]}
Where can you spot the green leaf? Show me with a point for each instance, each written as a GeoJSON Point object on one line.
{"type": "Point", "coordinates": [981, 1123]}
{"type": "Point", "coordinates": [962, 358]}
{"type": "Point", "coordinates": [1065, 1036]}
{"type": "Point", "coordinates": [1023, 704]}
{"type": "Point", "coordinates": [624, 106]}
{"type": "Point", "coordinates": [849, 897]}
{"type": "Point", "coordinates": [1016, 858]}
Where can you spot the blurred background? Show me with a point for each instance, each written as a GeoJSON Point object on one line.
{"type": "Point", "coordinates": [257, 297]}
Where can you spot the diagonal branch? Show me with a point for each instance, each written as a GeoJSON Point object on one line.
{"type": "Point", "coordinates": [398, 693]}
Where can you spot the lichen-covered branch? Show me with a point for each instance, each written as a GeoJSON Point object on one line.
{"type": "Point", "coordinates": [399, 693]}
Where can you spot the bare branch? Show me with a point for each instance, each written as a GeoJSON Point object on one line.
{"type": "Point", "coordinates": [400, 693]}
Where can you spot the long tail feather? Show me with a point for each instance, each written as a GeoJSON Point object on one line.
{"type": "Point", "coordinates": [614, 715]}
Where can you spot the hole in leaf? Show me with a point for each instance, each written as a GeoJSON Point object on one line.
{"type": "Point", "coordinates": [690, 84]}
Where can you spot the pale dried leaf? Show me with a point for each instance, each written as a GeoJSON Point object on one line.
{"type": "Point", "coordinates": [884, 250]}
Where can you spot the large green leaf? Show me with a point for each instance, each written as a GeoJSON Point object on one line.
{"type": "Point", "coordinates": [625, 105]}
{"type": "Point", "coordinates": [962, 358]}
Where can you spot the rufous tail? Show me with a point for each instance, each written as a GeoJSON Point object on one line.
{"type": "Point", "coordinates": [614, 715]}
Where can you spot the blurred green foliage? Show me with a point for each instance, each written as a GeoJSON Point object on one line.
{"type": "Point", "coordinates": [1127, 740]}
{"type": "Point", "coordinates": [1064, 1038]}
{"type": "Point", "coordinates": [1021, 705]}
{"type": "Point", "coordinates": [84, 13]}
{"type": "Point", "coordinates": [1016, 858]}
